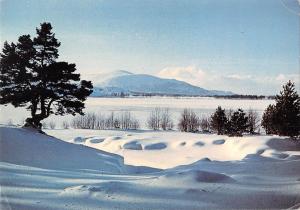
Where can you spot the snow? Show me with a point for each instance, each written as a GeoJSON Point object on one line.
{"type": "Point", "coordinates": [132, 145]}
{"type": "Point", "coordinates": [30, 148]}
{"type": "Point", "coordinates": [167, 149]}
{"type": "Point", "coordinates": [171, 170]}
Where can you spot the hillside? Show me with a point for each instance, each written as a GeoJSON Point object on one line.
{"type": "Point", "coordinates": [128, 83]}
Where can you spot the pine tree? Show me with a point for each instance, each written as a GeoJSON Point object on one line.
{"type": "Point", "coordinates": [32, 77]}
{"type": "Point", "coordinates": [218, 120]}
{"type": "Point", "coordinates": [269, 121]}
{"type": "Point", "coordinates": [284, 117]}
{"type": "Point", "coordinates": [237, 124]}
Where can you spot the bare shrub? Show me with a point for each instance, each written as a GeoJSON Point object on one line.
{"type": "Point", "coordinates": [87, 121]}
{"type": "Point", "coordinates": [160, 118]}
{"type": "Point", "coordinates": [166, 122]}
{"type": "Point", "coordinates": [204, 123]}
{"type": "Point", "coordinates": [253, 121]}
{"type": "Point", "coordinates": [52, 125]}
{"type": "Point", "coordinates": [154, 118]}
{"type": "Point", "coordinates": [22, 121]}
{"type": "Point", "coordinates": [117, 123]}
{"type": "Point", "coordinates": [135, 124]}
{"type": "Point", "coordinates": [189, 121]}
{"type": "Point", "coordinates": [100, 123]}
{"type": "Point", "coordinates": [127, 121]}
{"type": "Point", "coordinates": [45, 125]}
{"type": "Point", "coordinates": [65, 125]}
{"type": "Point", "coordinates": [229, 113]}
{"type": "Point", "coordinates": [9, 122]}
{"type": "Point", "coordinates": [109, 122]}
{"type": "Point", "coordinates": [92, 121]}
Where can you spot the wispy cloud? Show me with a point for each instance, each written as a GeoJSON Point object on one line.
{"type": "Point", "coordinates": [238, 83]}
{"type": "Point", "coordinates": [239, 77]}
{"type": "Point", "coordinates": [190, 74]}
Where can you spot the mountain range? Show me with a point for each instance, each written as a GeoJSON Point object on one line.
{"type": "Point", "coordinates": [126, 83]}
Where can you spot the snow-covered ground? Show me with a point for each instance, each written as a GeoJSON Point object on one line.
{"type": "Point", "coordinates": [168, 149]}
{"type": "Point", "coordinates": [140, 107]}
{"type": "Point", "coordinates": [146, 170]}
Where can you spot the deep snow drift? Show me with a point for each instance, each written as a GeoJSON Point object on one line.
{"type": "Point", "coordinates": [163, 150]}
{"type": "Point", "coordinates": [201, 171]}
{"type": "Point", "coordinates": [30, 148]}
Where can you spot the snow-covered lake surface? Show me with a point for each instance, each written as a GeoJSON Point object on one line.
{"type": "Point", "coordinates": [92, 169]}
{"type": "Point", "coordinates": [140, 107]}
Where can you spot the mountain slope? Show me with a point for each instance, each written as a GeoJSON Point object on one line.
{"type": "Point", "coordinates": [128, 83]}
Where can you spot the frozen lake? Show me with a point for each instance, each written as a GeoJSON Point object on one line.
{"type": "Point", "coordinates": [140, 107]}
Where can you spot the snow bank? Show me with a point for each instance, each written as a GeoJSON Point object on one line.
{"type": "Point", "coordinates": [156, 146]}
{"type": "Point", "coordinates": [171, 148]}
{"type": "Point", "coordinates": [27, 147]}
{"type": "Point", "coordinates": [218, 142]}
{"type": "Point", "coordinates": [241, 173]}
{"type": "Point", "coordinates": [133, 145]}
{"type": "Point", "coordinates": [195, 176]}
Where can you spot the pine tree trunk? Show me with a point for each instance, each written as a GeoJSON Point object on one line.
{"type": "Point", "coordinates": [35, 119]}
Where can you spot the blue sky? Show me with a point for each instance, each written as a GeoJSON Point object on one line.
{"type": "Point", "coordinates": [244, 46]}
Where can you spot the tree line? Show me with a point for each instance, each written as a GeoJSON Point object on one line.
{"type": "Point", "coordinates": [281, 118]}
{"type": "Point", "coordinates": [124, 121]}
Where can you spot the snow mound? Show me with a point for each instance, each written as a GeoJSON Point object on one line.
{"type": "Point", "coordinates": [260, 151]}
{"type": "Point", "coordinates": [219, 142]}
{"type": "Point", "coordinates": [114, 138]}
{"type": "Point", "coordinates": [28, 147]}
{"type": "Point", "coordinates": [284, 144]}
{"type": "Point", "coordinates": [79, 139]}
{"type": "Point", "coordinates": [257, 157]}
{"type": "Point", "coordinates": [200, 143]}
{"type": "Point", "coordinates": [195, 176]}
{"type": "Point", "coordinates": [195, 191]}
{"type": "Point", "coordinates": [182, 144]}
{"type": "Point", "coordinates": [294, 157]}
{"type": "Point", "coordinates": [157, 146]}
{"type": "Point", "coordinates": [296, 206]}
{"type": "Point", "coordinates": [81, 190]}
{"type": "Point", "coordinates": [205, 159]}
{"type": "Point", "coordinates": [104, 188]}
{"type": "Point", "coordinates": [143, 148]}
{"type": "Point", "coordinates": [96, 140]}
{"type": "Point", "coordinates": [133, 145]}
{"type": "Point", "coordinates": [280, 155]}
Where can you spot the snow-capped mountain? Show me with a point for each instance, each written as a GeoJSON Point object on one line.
{"type": "Point", "coordinates": [124, 82]}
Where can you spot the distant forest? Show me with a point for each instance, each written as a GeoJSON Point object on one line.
{"type": "Point", "coordinates": [235, 96]}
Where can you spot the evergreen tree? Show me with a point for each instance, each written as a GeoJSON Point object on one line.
{"type": "Point", "coordinates": [218, 120]}
{"type": "Point", "coordinates": [31, 76]}
{"type": "Point", "coordinates": [284, 117]}
{"type": "Point", "coordinates": [269, 121]}
{"type": "Point", "coordinates": [237, 124]}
